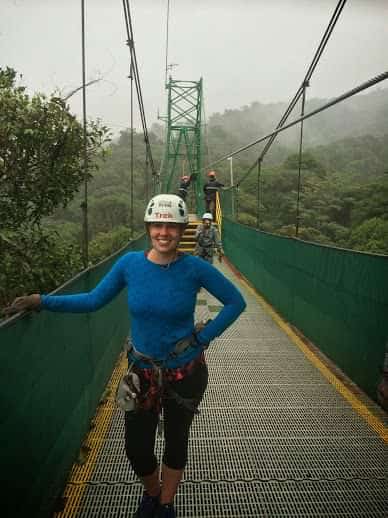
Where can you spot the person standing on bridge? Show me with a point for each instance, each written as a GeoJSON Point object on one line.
{"type": "Point", "coordinates": [208, 239]}
{"type": "Point", "coordinates": [167, 363]}
{"type": "Point", "coordinates": [210, 189]}
{"type": "Point", "coordinates": [184, 186]}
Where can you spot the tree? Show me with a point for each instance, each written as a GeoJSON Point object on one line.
{"type": "Point", "coordinates": [41, 153]}
{"type": "Point", "coordinates": [308, 162]}
{"type": "Point", "coordinates": [371, 236]}
{"type": "Point", "coordinates": [42, 162]}
{"type": "Point", "coordinates": [34, 260]}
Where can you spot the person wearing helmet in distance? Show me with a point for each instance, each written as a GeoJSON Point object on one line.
{"type": "Point", "coordinates": [166, 361]}
{"type": "Point", "coordinates": [184, 186]}
{"type": "Point", "coordinates": [208, 239]}
{"type": "Point", "coordinates": [210, 189]}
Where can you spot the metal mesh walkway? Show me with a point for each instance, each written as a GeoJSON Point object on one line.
{"type": "Point", "coordinates": [274, 438]}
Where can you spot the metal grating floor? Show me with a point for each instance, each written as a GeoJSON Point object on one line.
{"type": "Point", "coordinates": [274, 439]}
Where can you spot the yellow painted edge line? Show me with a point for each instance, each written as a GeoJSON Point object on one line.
{"type": "Point", "coordinates": [373, 421]}
{"type": "Point", "coordinates": [75, 487]}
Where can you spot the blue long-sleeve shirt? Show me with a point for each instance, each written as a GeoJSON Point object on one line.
{"type": "Point", "coordinates": [161, 301]}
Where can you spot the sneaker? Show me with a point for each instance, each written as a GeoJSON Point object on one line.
{"type": "Point", "coordinates": [147, 507]}
{"type": "Point", "coordinates": [165, 511]}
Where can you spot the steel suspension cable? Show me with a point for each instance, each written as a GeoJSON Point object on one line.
{"type": "Point", "coordinates": [206, 131]}
{"type": "Point", "coordinates": [84, 204]}
{"type": "Point", "coordinates": [132, 161]}
{"type": "Point", "coordinates": [300, 166]}
{"type": "Point", "coordinates": [258, 193]}
{"type": "Point", "coordinates": [131, 45]}
{"type": "Point", "coordinates": [301, 89]}
{"type": "Point", "coordinates": [306, 81]}
{"type": "Point", "coordinates": [310, 71]}
{"type": "Point", "coordinates": [167, 28]}
{"type": "Point", "coordinates": [325, 39]}
{"type": "Point", "coordinates": [372, 82]}
{"type": "Point", "coordinates": [131, 211]}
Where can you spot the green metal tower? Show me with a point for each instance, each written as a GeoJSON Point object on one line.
{"type": "Point", "coordinates": [183, 153]}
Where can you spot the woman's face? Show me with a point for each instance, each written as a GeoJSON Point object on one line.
{"type": "Point", "coordinates": [165, 237]}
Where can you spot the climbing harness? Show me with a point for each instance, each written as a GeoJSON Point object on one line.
{"type": "Point", "coordinates": [206, 237]}
{"type": "Point", "coordinates": [128, 390]}
{"type": "Point", "coordinates": [132, 396]}
{"type": "Point", "coordinates": [207, 242]}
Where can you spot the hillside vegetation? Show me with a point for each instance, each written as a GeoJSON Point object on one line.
{"type": "Point", "coordinates": [344, 171]}
{"type": "Point", "coordinates": [343, 189]}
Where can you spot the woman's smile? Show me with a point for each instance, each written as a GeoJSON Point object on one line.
{"type": "Point", "coordinates": [165, 238]}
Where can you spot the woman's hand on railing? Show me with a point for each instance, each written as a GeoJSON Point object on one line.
{"type": "Point", "coordinates": [25, 303]}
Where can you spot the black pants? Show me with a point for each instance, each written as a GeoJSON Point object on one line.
{"type": "Point", "coordinates": [182, 193]}
{"type": "Point", "coordinates": [140, 427]}
{"type": "Point", "coordinates": [211, 205]}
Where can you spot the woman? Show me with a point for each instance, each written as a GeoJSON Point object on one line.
{"type": "Point", "coordinates": [167, 354]}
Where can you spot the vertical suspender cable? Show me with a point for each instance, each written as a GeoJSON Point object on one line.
{"type": "Point", "coordinates": [147, 179]}
{"type": "Point", "coordinates": [135, 73]}
{"type": "Point", "coordinates": [84, 205]}
{"type": "Point", "coordinates": [132, 172]}
{"type": "Point", "coordinates": [237, 204]}
{"type": "Point", "coordinates": [258, 192]}
{"type": "Point", "coordinates": [167, 27]}
{"type": "Point", "coordinates": [300, 159]}
{"type": "Point", "coordinates": [131, 75]}
{"type": "Point", "coordinates": [138, 87]}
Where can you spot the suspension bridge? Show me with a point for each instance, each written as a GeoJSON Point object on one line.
{"type": "Point", "coordinates": [290, 424]}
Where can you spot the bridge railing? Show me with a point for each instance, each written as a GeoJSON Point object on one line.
{"type": "Point", "coordinates": [54, 370]}
{"type": "Point", "coordinates": [337, 298]}
{"type": "Point", "coordinates": [218, 211]}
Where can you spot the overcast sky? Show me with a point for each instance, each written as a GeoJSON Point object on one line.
{"type": "Point", "coordinates": [245, 50]}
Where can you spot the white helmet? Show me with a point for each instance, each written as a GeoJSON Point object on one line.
{"type": "Point", "coordinates": [208, 215]}
{"type": "Point", "coordinates": [166, 208]}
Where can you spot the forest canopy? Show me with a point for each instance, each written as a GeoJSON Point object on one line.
{"type": "Point", "coordinates": [42, 167]}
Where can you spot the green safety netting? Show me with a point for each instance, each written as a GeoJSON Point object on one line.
{"type": "Point", "coordinates": [336, 298]}
{"type": "Point", "coordinates": [54, 369]}
{"type": "Point", "coordinates": [228, 202]}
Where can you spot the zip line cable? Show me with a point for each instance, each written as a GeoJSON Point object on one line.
{"type": "Point", "coordinates": [131, 45]}
{"type": "Point", "coordinates": [375, 80]}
